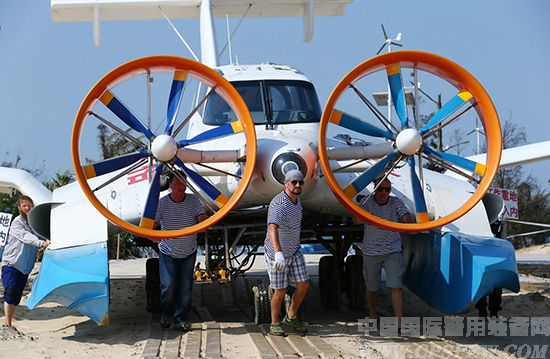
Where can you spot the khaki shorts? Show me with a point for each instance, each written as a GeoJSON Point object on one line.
{"type": "Point", "coordinates": [393, 266]}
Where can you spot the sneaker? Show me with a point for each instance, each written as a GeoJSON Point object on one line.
{"type": "Point", "coordinates": [296, 324]}
{"type": "Point", "coordinates": [184, 327]}
{"type": "Point", "coordinates": [277, 330]}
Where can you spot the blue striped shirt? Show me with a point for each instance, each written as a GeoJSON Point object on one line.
{"type": "Point", "coordinates": [378, 241]}
{"type": "Point", "coordinates": [288, 218]}
{"type": "Point", "coordinates": [177, 215]}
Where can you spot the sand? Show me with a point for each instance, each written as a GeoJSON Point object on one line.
{"type": "Point", "coordinates": [53, 331]}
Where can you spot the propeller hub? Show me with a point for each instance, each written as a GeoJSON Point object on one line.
{"type": "Point", "coordinates": [164, 148]}
{"type": "Point", "coordinates": [408, 141]}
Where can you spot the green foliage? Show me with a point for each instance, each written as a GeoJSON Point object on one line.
{"type": "Point", "coordinates": [127, 248]}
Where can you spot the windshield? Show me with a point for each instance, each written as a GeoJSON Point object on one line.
{"type": "Point", "coordinates": [275, 101]}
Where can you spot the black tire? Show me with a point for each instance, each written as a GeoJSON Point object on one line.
{"type": "Point", "coordinates": [152, 285]}
{"type": "Point", "coordinates": [329, 283]}
{"type": "Point", "coordinates": [262, 304]}
{"type": "Point", "coordinates": [355, 282]}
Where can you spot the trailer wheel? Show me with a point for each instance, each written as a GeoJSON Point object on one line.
{"type": "Point", "coordinates": [262, 304]}
{"type": "Point", "coordinates": [355, 283]}
{"type": "Point", "coordinates": [329, 282]}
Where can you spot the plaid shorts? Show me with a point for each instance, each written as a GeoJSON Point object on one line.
{"type": "Point", "coordinates": [294, 271]}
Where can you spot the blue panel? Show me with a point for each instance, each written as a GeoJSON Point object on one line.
{"type": "Point", "coordinates": [452, 271]}
{"type": "Point", "coordinates": [151, 204]}
{"type": "Point", "coordinates": [77, 277]}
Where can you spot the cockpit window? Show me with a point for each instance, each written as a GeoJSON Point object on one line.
{"type": "Point", "coordinates": [276, 101]}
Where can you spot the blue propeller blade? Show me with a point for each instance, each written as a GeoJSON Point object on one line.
{"type": "Point", "coordinates": [459, 161]}
{"type": "Point", "coordinates": [119, 109]}
{"type": "Point", "coordinates": [206, 186]}
{"type": "Point", "coordinates": [113, 164]}
{"type": "Point", "coordinates": [176, 94]}
{"type": "Point", "coordinates": [418, 194]}
{"type": "Point", "coordinates": [368, 176]}
{"type": "Point", "coordinates": [151, 205]}
{"type": "Point", "coordinates": [356, 124]}
{"type": "Point", "coordinates": [397, 94]}
{"type": "Point", "coordinates": [454, 104]}
{"type": "Point", "coordinates": [224, 130]}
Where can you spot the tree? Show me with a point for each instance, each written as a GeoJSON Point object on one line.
{"type": "Point", "coordinates": [112, 144]}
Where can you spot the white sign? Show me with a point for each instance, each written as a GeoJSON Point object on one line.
{"type": "Point", "coordinates": [510, 199]}
{"type": "Point", "coordinates": [5, 221]}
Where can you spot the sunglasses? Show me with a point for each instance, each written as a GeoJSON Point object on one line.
{"type": "Point", "coordinates": [383, 189]}
{"type": "Point", "coordinates": [294, 183]}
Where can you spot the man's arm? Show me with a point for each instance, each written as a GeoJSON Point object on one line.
{"type": "Point", "coordinates": [201, 217]}
{"type": "Point", "coordinates": [19, 231]}
{"type": "Point", "coordinates": [406, 218]}
{"type": "Point", "coordinates": [273, 231]}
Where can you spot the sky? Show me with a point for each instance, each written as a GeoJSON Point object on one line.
{"type": "Point", "coordinates": [46, 67]}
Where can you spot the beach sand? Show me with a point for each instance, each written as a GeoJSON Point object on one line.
{"type": "Point", "coordinates": [53, 331]}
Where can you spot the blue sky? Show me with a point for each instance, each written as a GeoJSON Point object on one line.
{"type": "Point", "coordinates": [46, 68]}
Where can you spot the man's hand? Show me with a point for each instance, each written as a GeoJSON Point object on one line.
{"type": "Point", "coordinates": [279, 261]}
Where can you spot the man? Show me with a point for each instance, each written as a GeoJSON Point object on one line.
{"type": "Point", "coordinates": [18, 258]}
{"type": "Point", "coordinates": [382, 248]}
{"type": "Point", "coordinates": [177, 256]}
{"type": "Point", "coordinates": [285, 262]}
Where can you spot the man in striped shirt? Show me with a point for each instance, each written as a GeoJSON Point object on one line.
{"type": "Point", "coordinates": [177, 256]}
{"type": "Point", "coordinates": [382, 248]}
{"type": "Point", "coordinates": [285, 262]}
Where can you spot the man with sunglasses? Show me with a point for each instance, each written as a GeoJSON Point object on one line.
{"type": "Point", "coordinates": [285, 262]}
{"type": "Point", "coordinates": [382, 248]}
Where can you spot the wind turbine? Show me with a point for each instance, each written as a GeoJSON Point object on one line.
{"type": "Point", "coordinates": [389, 41]}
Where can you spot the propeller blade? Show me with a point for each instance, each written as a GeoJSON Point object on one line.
{"type": "Point", "coordinates": [206, 186]}
{"type": "Point", "coordinates": [119, 109]}
{"type": "Point", "coordinates": [381, 48]}
{"type": "Point", "coordinates": [384, 31]}
{"type": "Point", "coordinates": [418, 194]}
{"type": "Point", "coordinates": [356, 124]}
{"type": "Point", "coordinates": [474, 167]}
{"type": "Point", "coordinates": [176, 94]}
{"type": "Point", "coordinates": [454, 104]}
{"type": "Point", "coordinates": [397, 93]}
{"type": "Point", "coordinates": [151, 205]}
{"type": "Point", "coordinates": [113, 164]}
{"type": "Point", "coordinates": [221, 131]}
{"type": "Point", "coordinates": [359, 184]}
{"type": "Point", "coordinates": [396, 44]}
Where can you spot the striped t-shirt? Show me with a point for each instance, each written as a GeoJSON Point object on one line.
{"type": "Point", "coordinates": [177, 215]}
{"type": "Point", "coordinates": [378, 241]}
{"type": "Point", "coordinates": [288, 218]}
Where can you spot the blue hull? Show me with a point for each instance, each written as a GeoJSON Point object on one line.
{"type": "Point", "coordinates": [450, 272]}
{"type": "Point", "coordinates": [77, 277]}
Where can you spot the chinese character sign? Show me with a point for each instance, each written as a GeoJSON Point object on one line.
{"type": "Point", "coordinates": [510, 199]}
{"type": "Point", "coordinates": [5, 221]}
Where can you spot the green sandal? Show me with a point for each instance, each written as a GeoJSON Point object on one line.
{"type": "Point", "coordinates": [296, 324]}
{"type": "Point", "coordinates": [277, 330]}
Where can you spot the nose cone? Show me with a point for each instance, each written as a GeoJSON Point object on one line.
{"type": "Point", "coordinates": [286, 162]}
